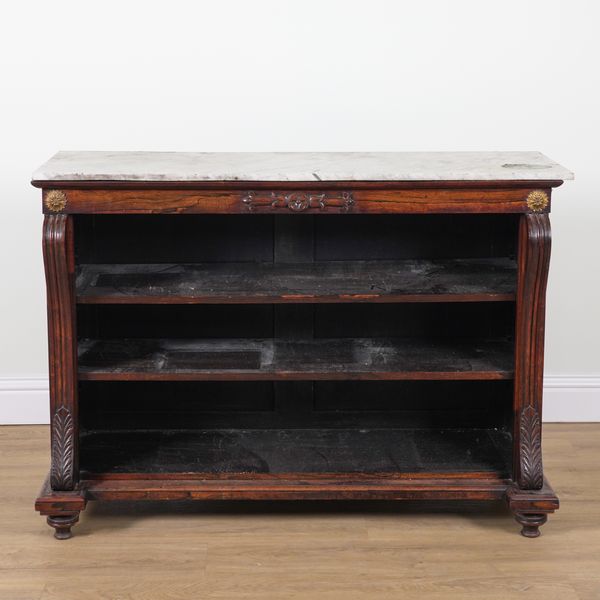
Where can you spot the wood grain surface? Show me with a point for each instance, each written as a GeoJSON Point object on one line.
{"type": "Point", "coordinates": [59, 265]}
{"type": "Point", "coordinates": [440, 198]}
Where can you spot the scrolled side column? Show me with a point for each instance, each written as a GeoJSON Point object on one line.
{"type": "Point", "coordinates": [533, 263]}
{"type": "Point", "coordinates": [62, 349]}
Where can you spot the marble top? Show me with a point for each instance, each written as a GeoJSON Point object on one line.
{"type": "Point", "coordinates": [300, 166]}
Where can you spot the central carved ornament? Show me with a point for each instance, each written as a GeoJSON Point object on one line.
{"type": "Point", "coordinates": [298, 201]}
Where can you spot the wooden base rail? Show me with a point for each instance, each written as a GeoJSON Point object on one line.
{"type": "Point", "coordinates": [530, 508]}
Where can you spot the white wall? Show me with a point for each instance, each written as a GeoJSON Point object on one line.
{"type": "Point", "coordinates": [302, 75]}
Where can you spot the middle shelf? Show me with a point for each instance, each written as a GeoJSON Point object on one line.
{"type": "Point", "coordinates": [299, 359]}
{"type": "Point", "coordinates": [414, 280]}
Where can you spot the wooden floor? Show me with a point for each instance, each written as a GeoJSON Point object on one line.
{"type": "Point", "coordinates": [308, 550]}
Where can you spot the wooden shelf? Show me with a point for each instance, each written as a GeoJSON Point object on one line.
{"type": "Point", "coordinates": [409, 486]}
{"type": "Point", "coordinates": [459, 280]}
{"type": "Point", "coordinates": [275, 359]}
{"type": "Point", "coordinates": [222, 452]}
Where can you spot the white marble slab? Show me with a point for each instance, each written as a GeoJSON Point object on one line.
{"type": "Point", "coordinates": [300, 166]}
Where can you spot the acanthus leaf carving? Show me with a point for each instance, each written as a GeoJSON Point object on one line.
{"type": "Point", "coordinates": [62, 449]}
{"type": "Point", "coordinates": [530, 429]}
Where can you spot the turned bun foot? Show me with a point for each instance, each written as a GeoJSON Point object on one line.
{"type": "Point", "coordinates": [62, 525]}
{"type": "Point", "coordinates": [531, 523]}
{"type": "Point", "coordinates": [532, 507]}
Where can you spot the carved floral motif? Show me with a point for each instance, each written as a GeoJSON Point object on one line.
{"type": "Point", "coordinates": [298, 201]}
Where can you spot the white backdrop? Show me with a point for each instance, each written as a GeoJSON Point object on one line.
{"type": "Point", "coordinates": [303, 75]}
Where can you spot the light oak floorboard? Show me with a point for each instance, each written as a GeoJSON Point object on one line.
{"type": "Point", "coordinates": [302, 550]}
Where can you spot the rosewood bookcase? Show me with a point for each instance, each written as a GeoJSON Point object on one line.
{"type": "Point", "coordinates": [296, 326]}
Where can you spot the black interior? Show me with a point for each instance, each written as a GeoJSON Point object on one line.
{"type": "Point", "coordinates": [295, 426]}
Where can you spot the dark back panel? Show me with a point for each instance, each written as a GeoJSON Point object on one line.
{"type": "Point", "coordinates": [178, 321]}
{"type": "Point", "coordinates": [381, 404]}
{"type": "Point", "coordinates": [354, 237]}
{"type": "Point", "coordinates": [173, 238]}
{"type": "Point", "coordinates": [458, 320]}
{"type": "Point", "coordinates": [290, 238]}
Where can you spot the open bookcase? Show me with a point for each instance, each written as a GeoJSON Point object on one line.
{"type": "Point", "coordinates": [296, 340]}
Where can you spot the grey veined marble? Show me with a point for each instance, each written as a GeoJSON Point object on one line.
{"type": "Point", "coordinates": [300, 166]}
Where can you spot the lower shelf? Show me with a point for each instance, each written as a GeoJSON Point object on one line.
{"type": "Point", "coordinates": [409, 486]}
{"type": "Point", "coordinates": [223, 452]}
{"type": "Point", "coordinates": [296, 488]}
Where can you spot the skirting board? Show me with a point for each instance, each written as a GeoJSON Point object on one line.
{"type": "Point", "coordinates": [572, 398]}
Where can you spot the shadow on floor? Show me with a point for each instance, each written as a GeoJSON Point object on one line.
{"type": "Point", "coordinates": [118, 515]}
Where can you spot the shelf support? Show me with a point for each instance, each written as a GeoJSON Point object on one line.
{"type": "Point", "coordinates": [59, 266]}
{"type": "Point", "coordinates": [533, 263]}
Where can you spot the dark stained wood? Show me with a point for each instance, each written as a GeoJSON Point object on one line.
{"type": "Point", "coordinates": [446, 486]}
{"type": "Point", "coordinates": [257, 486]}
{"type": "Point", "coordinates": [532, 507]}
{"type": "Point", "coordinates": [61, 508]}
{"type": "Point", "coordinates": [294, 489]}
{"type": "Point", "coordinates": [368, 201]}
{"type": "Point", "coordinates": [292, 185]}
{"type": "Point", "coordinates": [168, 408]}
{"type": "Point", "coordinates": [62, 340]}
{"type": "Point", "coordinates": [274, 359]}
{"type": "Point", "coordinates": [534, 260]}
{"type": "Point", "coordinates": [57, 502]}
{"type": "Point", "coordinates": [463, 280]}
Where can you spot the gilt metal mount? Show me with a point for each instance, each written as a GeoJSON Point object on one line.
{"type": "Point", "coordinates": [56, 200]}
{"type": "Point", "coordinates": [537, 200]}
